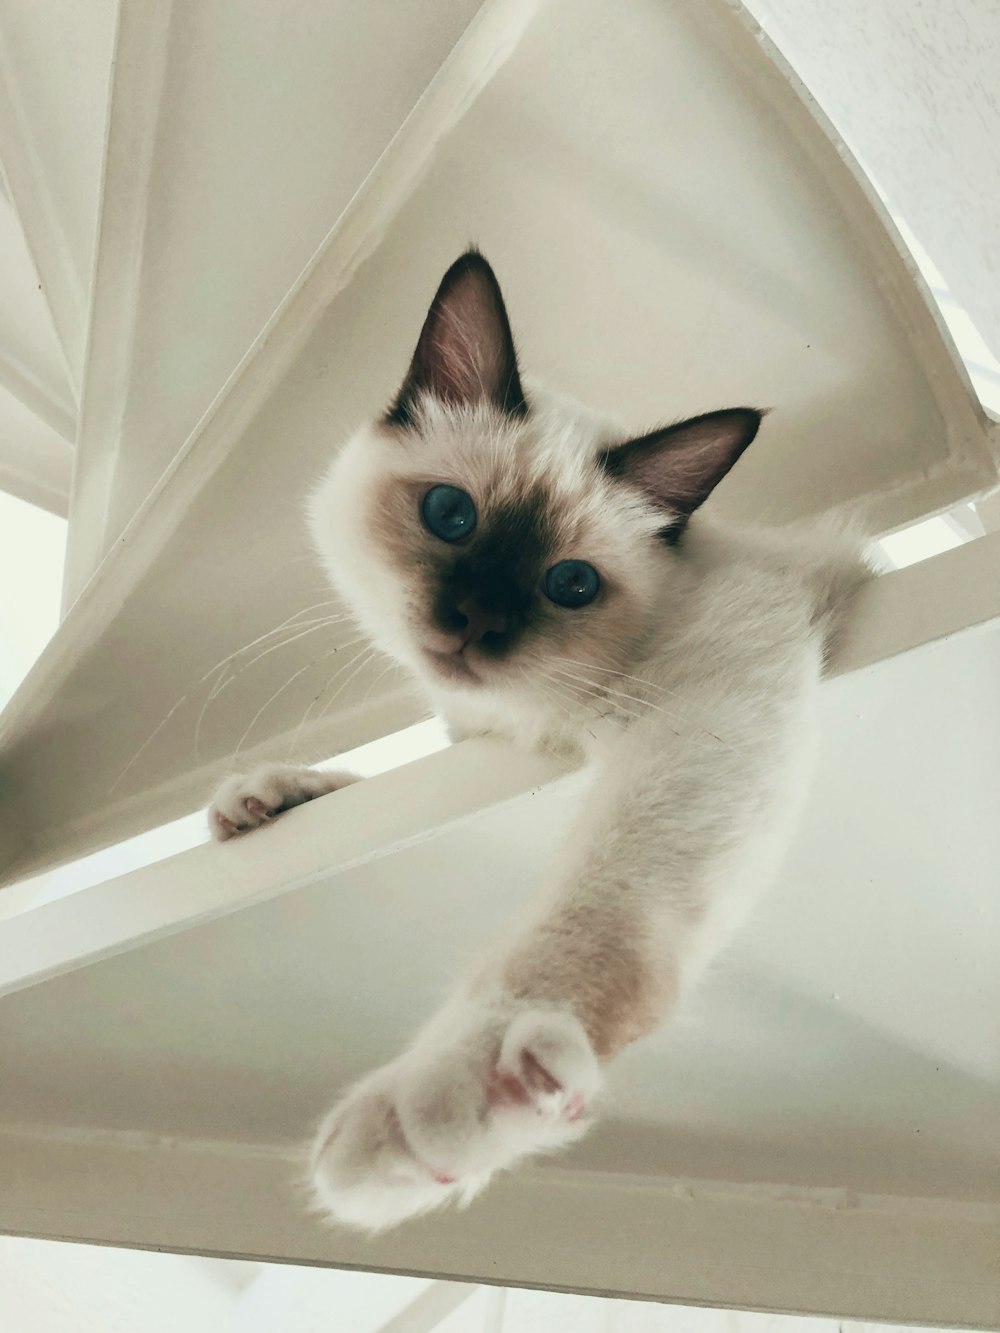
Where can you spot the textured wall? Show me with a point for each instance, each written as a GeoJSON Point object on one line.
{"type": "Point", "coordinates": [913, 89]}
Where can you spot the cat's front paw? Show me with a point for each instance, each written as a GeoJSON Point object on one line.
{"type": "Point", "coordinates": [247, 800]}
{"type": "Point", "coordinates": [435, 1125]}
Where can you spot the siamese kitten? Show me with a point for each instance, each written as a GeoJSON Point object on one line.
{"type": "Point", "coordinates": [550, 580]}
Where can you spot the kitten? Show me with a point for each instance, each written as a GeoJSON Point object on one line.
{"type": "Point", "coordinates": [549, 580]}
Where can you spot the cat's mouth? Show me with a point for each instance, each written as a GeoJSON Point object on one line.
{"type": "Point", "coordinates": [453, 666]}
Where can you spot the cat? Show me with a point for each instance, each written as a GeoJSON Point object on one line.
{"type": "Point", "coordinates": [550, 580]}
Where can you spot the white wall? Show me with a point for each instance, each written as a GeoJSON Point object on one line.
{"type": "Point", "coordinates": [48, 1287]}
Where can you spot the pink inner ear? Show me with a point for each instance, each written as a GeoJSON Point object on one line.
{"type": "Point", "coordinates": [679, 466]}
{"type": "Point", "coordinates": [465, 353]}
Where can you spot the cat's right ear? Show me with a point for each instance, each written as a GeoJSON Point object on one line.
{"type": "Point", "coordinates": [679, 466]}
{"type": "Point", "coordinates": [465, 354]}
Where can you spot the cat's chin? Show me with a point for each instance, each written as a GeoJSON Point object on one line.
{"type": "Point", "coordinates": [452, 667]}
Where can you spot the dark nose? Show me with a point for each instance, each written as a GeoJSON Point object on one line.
{"type": "Point", "coordinates": [476, 625]}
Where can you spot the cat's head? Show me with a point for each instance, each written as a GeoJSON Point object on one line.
{"type": "Point", "coordinates": [482, 535]}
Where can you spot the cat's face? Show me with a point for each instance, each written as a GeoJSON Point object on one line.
{"type": "Point", "coordinates": [488, 541]}
{"type": "Point", "coordinates": [477, 560]}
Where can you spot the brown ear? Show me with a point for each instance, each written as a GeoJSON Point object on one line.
{"type": "Point", "coordinates": [465, 354]}
{"type": "Point", "coordinates": [679, 466]}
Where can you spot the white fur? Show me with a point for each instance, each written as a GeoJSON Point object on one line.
{"type": "Point", "coordinates": [432, 1111]}
{"type": "Point", "coordinates": [699, 725]}
{"type": "Point", "coordinates": [245, 801]}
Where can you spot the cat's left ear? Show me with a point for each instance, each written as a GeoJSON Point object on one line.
{"type": "Point", "coordinates": [679, 466]}
{"type": "Point", "coordinates": [465, 354]}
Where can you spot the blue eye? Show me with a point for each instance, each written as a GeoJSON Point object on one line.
{"type": "Point", "coordinates": [449, 513]}
{"type": "Point", "coordinates": [572, 583]}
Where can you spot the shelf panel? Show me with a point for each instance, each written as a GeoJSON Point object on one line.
{"type": "Point", "coordinates": [818, 1132]}
{"type": "Point", "coordinates": [834, 1253]}
{"type": "Point", "coordinates": [238, 136]}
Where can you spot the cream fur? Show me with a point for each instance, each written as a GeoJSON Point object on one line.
{"type": "Point", "coordinates": [692, 696]}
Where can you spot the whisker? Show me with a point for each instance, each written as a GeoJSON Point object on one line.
{"type": "Point", "coordinates": [218, 666]}
{"type": "Point", "coordinates": [621, 706]}
{"type": "Point", "coordinates": [287, 623]}
{"type": "Point", "coordinates": [640, 680]}
{"type": "Point", "coordinates": [551, 698]}
{"type": "Point", "coordinates": [376, 680]}
{"type": "Point", "coordinates": [638, 710]}
{"type": "Point", "coordinates": [365, 659]}
{"type": "Point", "coordinates": [603, 708]}
{"type": "Point", "coordinates": [601, 688]}
{"type": "Point", "coordinates": [292, 635]}
{"type": "Point", "coordinates": [292, 632]}
{"type": "Point", "coordinates": [147, 742]}
{"type": "Point", "coordinates": [323, 689]}
{"type": "Point", "coordinates": [649, 705]}
{"type": "Point", "coordinates": [585, 697]}
{"type": "Point", "coordinates": [280, 690]}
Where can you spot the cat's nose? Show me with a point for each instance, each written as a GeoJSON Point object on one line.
{"type": "Point", "coordinates": [476, 625]}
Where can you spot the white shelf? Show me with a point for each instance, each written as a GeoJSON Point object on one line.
{"type": "Point", "coordinates": [818, 1132]}
{"type": "Point", "coordinates": [808, 1252]}
{"type": "Point", "coordinates": [238, 136]}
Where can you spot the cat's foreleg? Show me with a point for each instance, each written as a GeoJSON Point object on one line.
{"type": "Point", "coordinates": [511, 1065]}
{"type": "Point", "coordinates": [248, 800]}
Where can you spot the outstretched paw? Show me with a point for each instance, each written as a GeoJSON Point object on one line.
{"type": "Point", "coordinates": [468, 1099]}
{"type": "Point", "coordinates": [246, 801]}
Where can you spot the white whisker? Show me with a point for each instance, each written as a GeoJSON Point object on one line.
{"type": "Point", "coordinates": [292, 634]}
{"type": "Point", "coordinates": [639, 680]}
{"type": "Point", "coordinates": [647, 705]}
{"type": "Point", "coordinates": [281, 689]}
{"type": "Point", "coordinates": [365, 659]}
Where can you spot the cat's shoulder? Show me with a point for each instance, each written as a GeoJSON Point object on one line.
{"type": "Point", "coordinates": [829, 556]}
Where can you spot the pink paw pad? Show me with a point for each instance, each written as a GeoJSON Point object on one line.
{"type": "Point", "coordinates": [506, 1089]}
{"type": "Point", "coordinates": [503, 1089]}
{"type": "Point", "coordinates": [226, 826]}
{"type": "Point", "coordinates": [575, 1107]}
